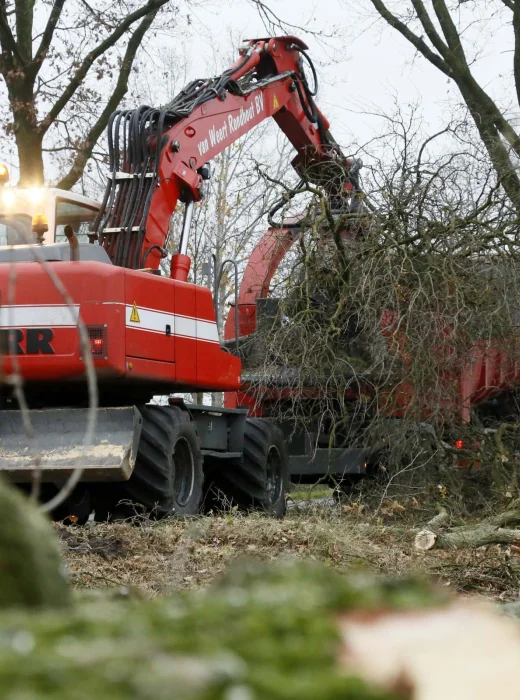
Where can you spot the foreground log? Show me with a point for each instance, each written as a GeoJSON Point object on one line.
{"type": "Point", "coordinates": [462, 650]}
{"type": "Point", "coordinates": [31, 570]}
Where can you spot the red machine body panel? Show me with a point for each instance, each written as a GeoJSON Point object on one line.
{"type": "Point", "coordinates": [153, 330]}
{"type": "Point", "coordinates": [149, 313]}
{"type": "Point", "coordinates": [35, 303]}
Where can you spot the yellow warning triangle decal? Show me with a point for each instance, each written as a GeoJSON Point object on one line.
{"type": "Point", "coordinates": [276, 104]}
{"type": "Point", "coordinates": [134, 316]}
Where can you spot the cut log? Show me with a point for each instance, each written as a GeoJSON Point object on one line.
{"type": "Point", "coordinates": [492, 530]}
{"type": "Point", "coordinates": [462, 650]}
{"type": "Point", "coordinates": [425, 540]}
{"type": "Point", "coordinates": [465, 537]}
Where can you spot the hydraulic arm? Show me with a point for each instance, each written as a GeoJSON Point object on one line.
{"type": "Point", "coordinates": [159, 157]}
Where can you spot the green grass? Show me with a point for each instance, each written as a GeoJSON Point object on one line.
{"type": "Point", "coordinates": [308, 492]}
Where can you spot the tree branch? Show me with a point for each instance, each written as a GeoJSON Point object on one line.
{"type": "Point", "coordinates": [47, 36]}
{"type": "Point", "coordinates": [152, 6]}
{"type": "Point", "coordinates": [430, 30]}
{"type": "Point", "coordinates": [419, 44]}
{"type": "Point", "coordinates": [7, 41]}
{"type": "Point", "coordinates": [119, 92]}
{"type": "Point", "coordinates": [24, 25]}
{"type": "Point", "coordinates": [516, 59]}
{"type": "Point", "coordinates": [450, 31]}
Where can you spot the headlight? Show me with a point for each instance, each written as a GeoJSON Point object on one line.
{"type": "Point", "coordinates": [35, 195]}
{"type": "Point", "coordinates": [4, 173]}
{"type": "Point", "coordinates": [8, 198]}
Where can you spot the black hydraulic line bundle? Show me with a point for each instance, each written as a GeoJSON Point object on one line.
{"type": "Point", "coordinates": [134, 148]}
{"type": "Point", "coordinates": [133, 159]}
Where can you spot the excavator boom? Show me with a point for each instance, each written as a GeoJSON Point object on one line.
{"type": "Point", "coordinates": [159, 156]}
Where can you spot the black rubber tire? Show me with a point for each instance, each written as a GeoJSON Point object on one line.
{"type": "Point", "coordinates": [168, 476]}
{"type": "Point", "coordinates": [261, 480]}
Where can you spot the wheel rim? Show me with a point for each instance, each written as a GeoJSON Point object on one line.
{"type": "Point", "coordinates": [274, 482]}
{"type": "Point", "coordinates": [184, 466]}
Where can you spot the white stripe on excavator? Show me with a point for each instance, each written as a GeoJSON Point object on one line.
{"type": "Point", "coordinates": [183, 326]}
{"type": "Point", "coordinates": [22, 316]}
{"type": "Point", "coordinates": [45, 315]}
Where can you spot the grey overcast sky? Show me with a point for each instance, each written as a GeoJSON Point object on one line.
{"type": "Point", "coordinates": [367, 66]}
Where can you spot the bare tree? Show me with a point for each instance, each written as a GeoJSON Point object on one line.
{"type": "Point", "coordinates": [438, 30]}
{"type": "Point", "coordinates": [59, 60]}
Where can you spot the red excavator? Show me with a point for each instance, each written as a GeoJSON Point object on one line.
{"type": "Point", "coordinates": [92, 331]}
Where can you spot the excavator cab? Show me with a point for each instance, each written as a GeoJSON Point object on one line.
{"type": "Point", "coordinates": [20, 206]}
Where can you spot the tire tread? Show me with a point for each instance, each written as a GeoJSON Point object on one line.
{"type": "Point", "coordinates": [151, 483]}
{"type": "Point", "coordinates": [244, 483]}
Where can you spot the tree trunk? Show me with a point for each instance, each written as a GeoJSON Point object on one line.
{"type": "Point", "coordinates": [29, 144]}
{"type": "Point", "coordinates": [492, 141]}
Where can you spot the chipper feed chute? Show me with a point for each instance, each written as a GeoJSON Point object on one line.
{"type": "Point", "coordinates": [58, 444]}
